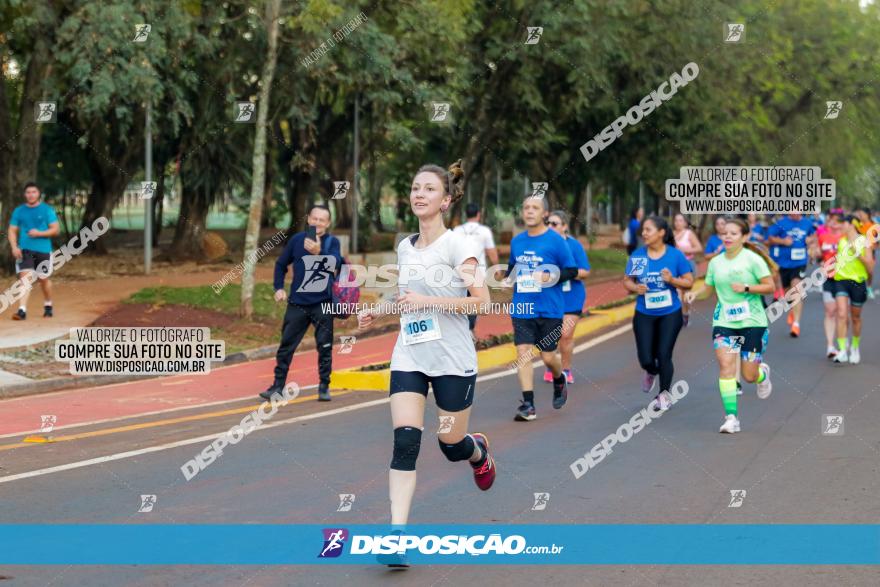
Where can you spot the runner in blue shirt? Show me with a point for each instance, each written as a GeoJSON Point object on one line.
{"type": "Point", "coordinates": [540, 262]}
{"type": "Point", "coordinates": [31, 228]}
{"type": "Point", "coordinates": [714, 244]}
{"type": "Point", "coordinates": [655, 272]}
{"type": "Point", "coordinates": [788, 240]}
{"type": "Point", "coordinates": [574, 294]}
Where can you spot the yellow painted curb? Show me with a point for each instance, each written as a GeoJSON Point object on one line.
{"type": "Point", "coordinates": [361, 380]}
{"type": "Point", "coordinates": [487, 359]}
{"type": "Point", "coordinates": [37, 438]}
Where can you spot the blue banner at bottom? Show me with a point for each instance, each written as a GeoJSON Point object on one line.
{"type": "Point", "coordinates": [514, 544]}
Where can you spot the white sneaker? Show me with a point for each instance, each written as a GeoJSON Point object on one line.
{"type": "Point", "coordinates": [841, 357]}
{"type": "Point", "coordinates": [831, 352]}
{"type": "Point", "coordinates": [854, 356]}
{"type": "Point", "coordinates": [766, 386]}
{"type": "Point", "coordinates": [731, 424]}
{"type": "Point", "coordinates": [661, 403]}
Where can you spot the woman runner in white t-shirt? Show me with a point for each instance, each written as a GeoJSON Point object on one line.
{"type": "Point", "coordinates": [434, 346]}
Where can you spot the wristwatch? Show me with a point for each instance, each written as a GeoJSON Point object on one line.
{"type": "Point", "coordinates": [747, 289]}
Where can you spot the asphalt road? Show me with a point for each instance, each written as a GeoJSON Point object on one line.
{"type": "Point", "coordinates": [677, 470]}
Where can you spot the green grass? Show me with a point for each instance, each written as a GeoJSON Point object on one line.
{"type": "Point", "coordinates": [227, 301]}
{"type": "Point", "coordinates": [607, 260]}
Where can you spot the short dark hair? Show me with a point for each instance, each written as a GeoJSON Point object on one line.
{"type": "Point", "coordinates": [320, 207]}
{"type": "Point", "coordinates": [30, 184]}
{"type": "Point", "coordinates": [472, 209]}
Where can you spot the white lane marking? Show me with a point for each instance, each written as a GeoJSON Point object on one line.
{"type": "Point", "coordinates": [369, 404]}
{"type": "Point", "coordinates": [170, 445]}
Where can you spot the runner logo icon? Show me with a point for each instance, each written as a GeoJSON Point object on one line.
{"type": "Point", "coordinates": [319, 268]}
{"type": "Point", "coordinates": [832, 424]}
{"type": "Point", "coordinates": [541, 501]}
{"type": "Point", "coordinates": [346, 500]}
{"type": "Point", "coordinates": [734, 32]}
{"type": "Point", "coordinates": [47, 422]}
{"type": "Point", "coordinates": [639, 264]}
{"type": "Point", "coordinates": [340, 189]}
{"type": "Point", "coordinates": [832, 109]}
{"type": "Point", "coordinates": [535, 33]}
{"type": "Point", "coordinates": [334, 541]}
{"type": "Point", "coordinates": [737, 496]}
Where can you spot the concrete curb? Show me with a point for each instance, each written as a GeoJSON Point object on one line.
{"type": "Point", "coordinates": [500, 356]}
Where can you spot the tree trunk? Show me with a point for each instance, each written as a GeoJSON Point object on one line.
{"type": "Point", "coordinates": [258, 184]}
{"type": "Point", "coordinates": [265, 216]}
{"type": "Point", "coordinates": [158, 205]}
{"type": "Point", "coordinates": [190, 229]}
{"type": "Point", "coordinates": [20, 151]}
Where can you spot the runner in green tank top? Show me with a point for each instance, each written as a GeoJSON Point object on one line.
{"type": "Point", "coordinates": [739, 276]}
{"type": "Point", "coordinates": [852, 274]}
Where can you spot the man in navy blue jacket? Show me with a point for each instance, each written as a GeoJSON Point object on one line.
{"type": "Point", "coordinates": [315, 264]}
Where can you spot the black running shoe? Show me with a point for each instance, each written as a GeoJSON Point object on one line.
{"type": "Point", "coordinates": [273, 389]}
{"type": "Point", "coordinates": [20, 315]}
{"type": "Point", "coordinates": [525, 412]}
{"type": "Point", "coordinates": [560, 394]}
{"type": "Point", "coordinates": [323, 393]}
{"type": "Point", "coordinates": [47, 311]}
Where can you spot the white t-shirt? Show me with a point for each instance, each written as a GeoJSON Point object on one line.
{"type": "Point", "coordinates": [452, 352]}
{"type": "Point", "coordinates": [482, 237]}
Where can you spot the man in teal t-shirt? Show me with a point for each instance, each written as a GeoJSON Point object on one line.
{"type": "Point", "coordinates": [31, 228]}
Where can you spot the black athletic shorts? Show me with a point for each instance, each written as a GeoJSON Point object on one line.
{"type": "Point", "coordinates": [751, 342]}
{"type": "Point", "coordinates": [829, 288]}
{"type": "Point", "coordinates": [787, 274]}
{"type": "Point", "coordinates": [453, 393]}
{"type": "Point", "coordinates": [30, 260]}
{"type": "Point", "coordinates": [856, 291]}
{"type": "Point", "coordinates": [543, 333]}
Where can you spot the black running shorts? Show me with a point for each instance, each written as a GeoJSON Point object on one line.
{"type": "Point", "coordinates": [543, 333]}
{"type": "Point", "coordinates": [453, 393]}
{"type": "Point", "coordinates": [856, 291]}
{"type": "Point", "coordinates": [30, 260]}
{"type": "Point", "coordinates": [789, 273]}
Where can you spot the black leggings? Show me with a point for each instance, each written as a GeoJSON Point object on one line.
{"type": "Point", "coordinates": [655, 339]}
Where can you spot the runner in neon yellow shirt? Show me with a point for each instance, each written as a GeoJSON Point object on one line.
{"type": "Point", "coordinates": [852, 274]}
{"type": "Point", "coordinates": [739, 276]}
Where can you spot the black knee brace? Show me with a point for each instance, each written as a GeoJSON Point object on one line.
{"type": "Point", "coordinates": [460, 451]}
{"type": "Point", "coordinates": [407, 441]}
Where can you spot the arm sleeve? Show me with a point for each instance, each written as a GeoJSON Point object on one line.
{"type": "Point", "coordinates": [774, 230]}
{"type": "Point", "coordinates": [284, 259]}
{"type": "Point", "coordinates": [333, 251]}
{"type": "Point", "coordinates": [710, 273]}
{"type": "Point", "coordinates": [463, 248]}
{"type": "Point", "coordinates": [488, 239]}
{"type": "Point", "coordinates": [15, 220]}
{"type": "Point", "coordinates": [52, 216]}
{"type": "Point", "coordinates": [567, 273]}
{"type": "Point", "coordinates": [761, 270]}
{"type": "Point", "coordinates": [583, 261]}
{"type": "Point", "coordinates": [629, 266]}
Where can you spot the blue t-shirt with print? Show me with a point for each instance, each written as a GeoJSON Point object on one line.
{"type": "Point", "coordinates": [797, 231]}
{"type": "Point", "coordinates": [28, 217]}
{"type": "Point", "coordinates": [713, 243]}
{"type": "Point", "coordinates": [661, 298]}
{"type": "Point", "coordinates": [527, 253]}
{"type": "Point", "coordinates": [574, 294]}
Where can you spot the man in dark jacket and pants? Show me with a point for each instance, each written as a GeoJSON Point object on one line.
{"type": "Point", "coordinates": [315, 264]}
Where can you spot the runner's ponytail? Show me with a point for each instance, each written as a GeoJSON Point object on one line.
{"type": "Point", "coordinates": [452, 178]}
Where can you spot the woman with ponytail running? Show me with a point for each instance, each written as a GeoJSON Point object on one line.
{"type": "Point", "coordinates": [739, 277]}
{"type": "Point", "coordinates": [434, 347]}
{"type": "Point", "coordinates": [655, 272]}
